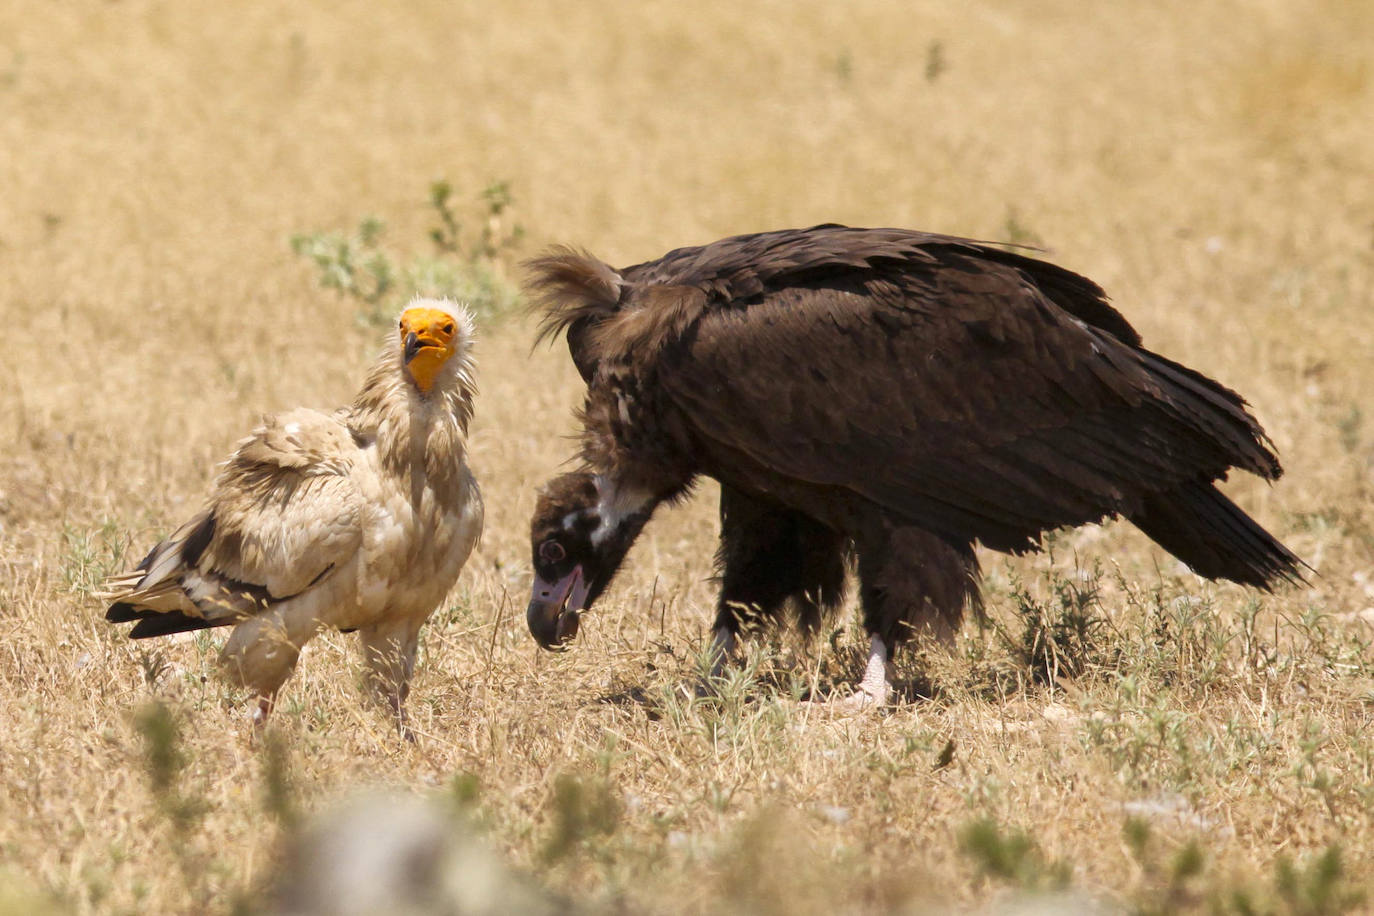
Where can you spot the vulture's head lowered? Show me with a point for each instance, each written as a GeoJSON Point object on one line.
{"type": "Point", "coordinates": [580, 534]}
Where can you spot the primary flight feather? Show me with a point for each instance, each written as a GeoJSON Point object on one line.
{"type": "Point", "coordinates": [889, 395]}
{"type": "Point", "coordinates": [356, 519]}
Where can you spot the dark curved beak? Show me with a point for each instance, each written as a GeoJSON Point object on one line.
{"type": "Point", "coordinates": [413, 345]}
{"type": "Point", "coordinates": [554, 607]}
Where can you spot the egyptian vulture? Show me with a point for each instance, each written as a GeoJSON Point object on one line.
{"type": "Point", "coordinates": [889, 395]}
{"type": "Point", "coordinates": [359, 519]}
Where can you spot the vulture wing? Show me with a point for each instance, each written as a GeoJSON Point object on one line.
{"type": "Point", "coordinates": [977, 393]}
{"type": "Point", "coordinates": [285, 512]}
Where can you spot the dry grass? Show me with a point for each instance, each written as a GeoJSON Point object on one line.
{"type": "Point", "coordinates": [1208, 162]}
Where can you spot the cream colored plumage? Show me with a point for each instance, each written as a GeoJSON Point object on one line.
{"type": "Point", "coordinates": [358, 519]}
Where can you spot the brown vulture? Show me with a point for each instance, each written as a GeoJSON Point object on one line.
{"type": "Point", "coordinates": [356, 519]}
{"type": "Point", "coordinates": [894, 395]}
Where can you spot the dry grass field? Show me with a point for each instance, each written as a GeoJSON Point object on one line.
{"type": "Point", "coordinates": [1120, 735]}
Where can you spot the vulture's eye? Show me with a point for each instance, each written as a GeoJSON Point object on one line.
{"type": "Point", "coordinates": [401, 324]}
{"type": "Point", "coordinates": [448, 328]}
{"type": "Point", "coordinates": [552, 551]}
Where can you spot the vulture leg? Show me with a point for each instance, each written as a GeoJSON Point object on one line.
{"type": "Point", "coordinates": [769, 555]}
{"type": "Point", "coordinates": [390, 650]}
{"type": "Point", "coordinates": [262, 651]}
{"type": "Point", "coordinates": [913, 583]}
{"type": "Point", "coordinates": [264, 709]}
{"type": "Point", "coordinates": [875, 689]}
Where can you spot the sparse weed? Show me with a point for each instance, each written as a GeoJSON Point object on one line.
{"type": "Point", "coordinates": [584, 810]}
{"type": "Point", "coordinates": [466, 790]}
{"type": "Point", "coordinates": [11, 74]}
{"type": "Point", "coordinates": [1016, 232]}
{"type": "Point", "coordinates": [1319, 887]}
{"type": "Point", "coordinates": [352, 265]}
{"type": "Point", "coordinates": [1012, 856]}
{"type": "Point", "coordinates": [154, 665]}
{"type": "Point", "coordinates": [179, 795]}
{"type": "Point", "coordinates": [1167, 880]}
{"type": "Point", "coordinates": [767, 868]}
{"type": "Point", "coordinates": [936, 64]}
{"type": "Point", "coordinates": [844, 66]}
{"type": "Point", "coordinates": [1062, 635]}
{"type": "Point", "coordinates": [1349, 426]}
{"type": "Point", "coordinates": [1065, 635]}
{"type": "Point", "coordinates": [165, 762]}
{"type": "Point", "coordinates": [464, 265]}
{"type": "Point", "coordinates": [280, 798]}
{"type": "Point", "coordinates": [747, 703]}
{"type": "Point", "coordinates": [91, 555]}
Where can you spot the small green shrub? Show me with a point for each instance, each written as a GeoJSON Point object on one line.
{"type": "Point", "coordinates": [1012, 856]}
{"type": "Point", "coordinates": [1063, 636]}
{"type": "Point", "coordinates": [468, 265]}
{"type": "Point", "coordinates": [583, 810]}
{"type": "Point", "coordinates": [91, 556]}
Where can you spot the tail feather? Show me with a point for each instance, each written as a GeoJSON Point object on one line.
{"type": "Point", "coordinates": [166, 624]}
{"type": "Point", "coordinates": [1204, 529]}
{"type": "Point", "coordinates": [150, 622]}
{"type": "Point", "coordinates": [123, 612]}
{"type": "Point", "coordinates": [1218, 414]}
{"type": "Point", "coordinates": [166, 593]}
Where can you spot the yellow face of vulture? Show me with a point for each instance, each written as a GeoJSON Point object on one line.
{"type": "Point", "coordinates": [428, 339]}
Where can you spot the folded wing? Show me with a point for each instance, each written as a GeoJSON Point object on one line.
{"type": "Point", "coordinates": [286, 512]}
{"type": "Point", "coordinates": [955, 389]}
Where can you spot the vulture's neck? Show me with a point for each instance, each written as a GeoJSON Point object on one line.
{"type": "Point", "coordinates": [420, 437]}
{"type": "Point", "coordinates": [620, 503]}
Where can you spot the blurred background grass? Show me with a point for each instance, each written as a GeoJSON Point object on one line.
{"type": "Point", "coordinates": [1208, 163]}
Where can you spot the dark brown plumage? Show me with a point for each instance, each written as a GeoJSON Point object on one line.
{"type": "Point", "coordinates": [896, 394]}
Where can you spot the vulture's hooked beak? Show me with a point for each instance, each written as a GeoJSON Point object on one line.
{"type": "Point", "coordinates": [415, 343]}
{"type": "Point", "coordinates": [552, 615]}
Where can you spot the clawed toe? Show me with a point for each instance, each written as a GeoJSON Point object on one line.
{"type": "Point", "coordinates": [859, 702]}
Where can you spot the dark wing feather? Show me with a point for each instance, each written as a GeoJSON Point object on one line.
{"type": "Point", "coordinates": [952, 391]}
{"type": "Point", "coordinates": [740, 268]}
{"type": "Point", "coordinates": [578, 294]}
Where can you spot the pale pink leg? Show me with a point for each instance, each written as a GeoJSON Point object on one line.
{"type": "Point", "coordinates": [875, 689]}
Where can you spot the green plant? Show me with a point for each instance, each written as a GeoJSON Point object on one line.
{"type": "Point", "coordinates": [583, 809]}
{"type": "Point", "coordinates": [936, 64]}
{"type": "Point", "coordinates": [1320, 887]}
{"type": "Point", "coordinates": [1062, 636]}
{"type": "Point", "coordinates": [165, 762]}
{"type": "Point", "coordinates": [1016, 232]}
{"type": "Point", "coordinates": [1013, 857]}
{"type": "Point", "coordinates": [1166, 884]}
{"type": "Point", "coordinates": [353, 265]}
{"type": "Point", "coordinates": [179, 798]}
{"type": "Point", "coordinates": [468, 266]}
{"type": "Point", "coordinates": [279, 795]}
{"type": "Point", "coordinates": [91, 556]}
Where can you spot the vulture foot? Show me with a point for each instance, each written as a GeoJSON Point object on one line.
{"type": "Point", "coordinates": [398, 712]}
{"type": "Point", "coordinates": [859, 702]}
{"type": "Point", "coordinates": [874, 691]}
{"type": "Point", "coordinates": [265, 704]}
{"type": "Point", "coordinates": [259, 717]}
